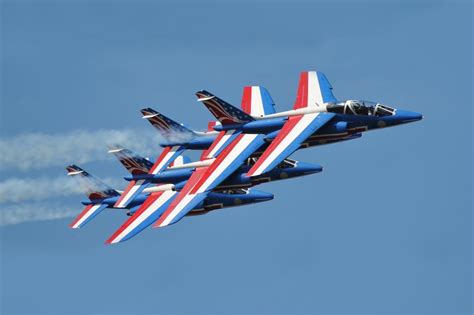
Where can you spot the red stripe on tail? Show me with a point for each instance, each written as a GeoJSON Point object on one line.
{"type": "Point", "coordinates": [247, 100]}
{"type": "Point", "coordinates": [302, 94]}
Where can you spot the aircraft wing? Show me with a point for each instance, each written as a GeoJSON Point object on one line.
{"type": "Point", "coordinates": [86, 215]}
{"type": "Point", "coordinates": [135, 187]}
{"type": "Point", "coordinates": [204, 180]}
{"type": "Point", "coordinates": [219, 144]}
{"type": "Point", "coordinates": [293, 133]}
{"type": "Point", "coordinates": [148, 213]}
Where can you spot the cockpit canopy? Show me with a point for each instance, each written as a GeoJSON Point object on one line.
{"type": "Point", "coordinates": [358, 107]}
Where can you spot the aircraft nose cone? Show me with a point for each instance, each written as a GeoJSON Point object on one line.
{"type": "Point", "coordinates": [261, 195]}
{"type": "Point", "coordinates": [307, 168]}
{"type": "Point", "coordinates": [407, 116]}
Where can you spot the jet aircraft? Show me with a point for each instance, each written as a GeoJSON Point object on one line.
{"type": "Point", "coordinates": [317, 118]}
{"type": "Point", "coordinates": [177, 175]}
{"type": "Point", "coordinates": [315, 108]}
{"type": "Point", "coordinates": [102, 196]}
{"type": "Point", "coordinates": [179, 138]}
{"type": "Point", "coordinates": [245, 147]}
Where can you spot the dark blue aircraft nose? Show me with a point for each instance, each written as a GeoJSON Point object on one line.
{"type": "Point", "coordinates": [404, 116]}
{"type": "Point", "coordinates": [307, 168]}
{"type": "Point", "coordinates": [258, 195]}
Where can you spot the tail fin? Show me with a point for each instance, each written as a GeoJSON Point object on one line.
{"type": "Point", "coordinates": [314, 90]}
{"type": "Point", "coordinates": [168, 128]}
{"type": "Point", "coordinates": [133, 162]}
{"type": "Point", "coordinates": [92, 186]}
{"type": "Point", "coordinates": [223, 111]}
{"type": "Point", "coordinates": [256, 101]}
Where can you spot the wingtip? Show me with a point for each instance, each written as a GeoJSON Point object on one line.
{"type": "Point", "coordinates": [112, 239]}
{"type": "Point", "coordinates": [156, 225]}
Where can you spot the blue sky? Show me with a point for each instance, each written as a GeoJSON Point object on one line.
{"type": "Point", "coordinates": [385, 228]}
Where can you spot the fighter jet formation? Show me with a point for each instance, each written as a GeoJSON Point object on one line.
{"type": "Point", "coordinates": [245, 147]}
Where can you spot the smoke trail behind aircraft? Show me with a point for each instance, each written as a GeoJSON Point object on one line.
{"type": "Point", "coordinates": [34, 189]}
{"type": "Point", "coordinates": [36, 211]}
{"type": "Point", "coordinates": [35, 199]}
{"type": "Point", "coordinates": [37, 150]}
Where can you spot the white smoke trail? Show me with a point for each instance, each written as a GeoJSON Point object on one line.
{"type": "Point", "coordinates": [26, 200]}
{"type": "Point", "coordinates": [32, 199]}
{"type": "Point", "coordinates": [22, 213]}
{"type": "Point", "coordinates": [34, 189]}
{"type": "Point", "coordinates": [37, 150]}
